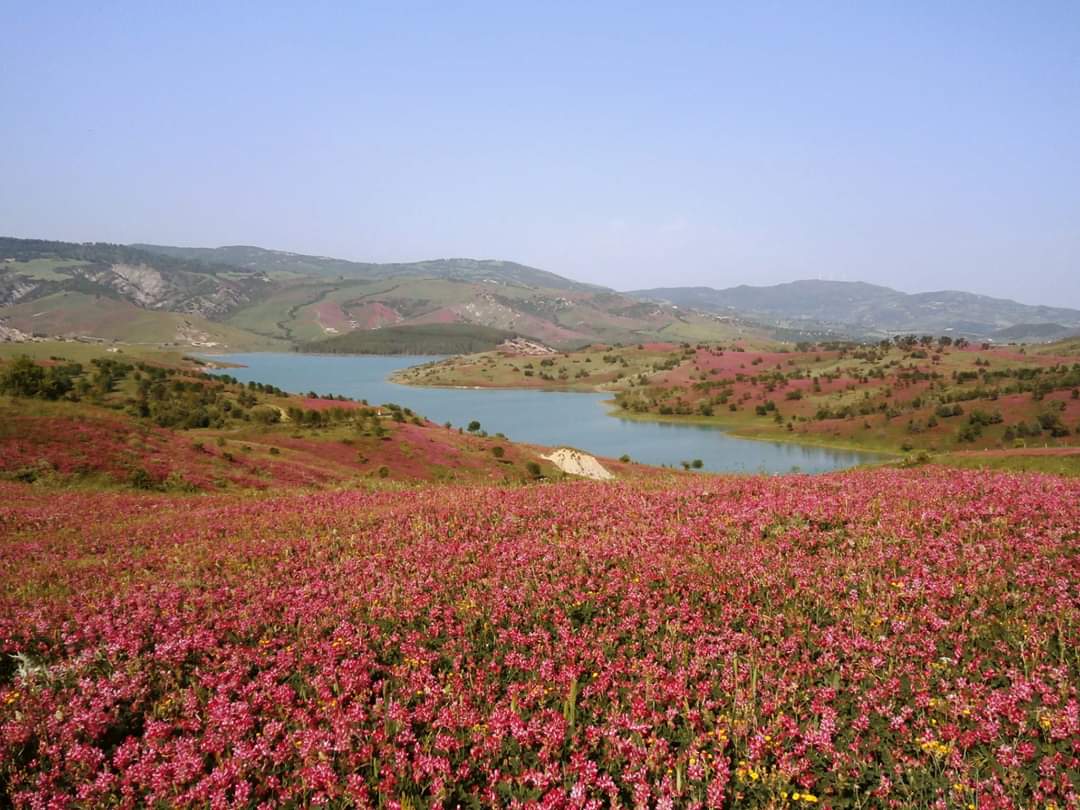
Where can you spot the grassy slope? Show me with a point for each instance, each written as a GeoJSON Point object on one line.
{"type": "Point", "coordinates": [41, 269]}
{"type": "Point", "coordinates": [1069, 347]}
{"type": "Point", "coordinates": [85, 352]}
{"type": "Point", "coordinates": [1056, 461]}
{"type": "Point", "coordinates": [282, 314]}
{"type": "Point", "coordinates": [585, 370]}
{"type": "Point", "coordinates": [446, 338]}
{"type": "Point", "coordinates": [80, 314]}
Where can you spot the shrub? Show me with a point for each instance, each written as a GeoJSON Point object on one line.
{"type": "Point", "coordinates": [265, 415]}
{"type": "Point", "coordinates": [140, 478]}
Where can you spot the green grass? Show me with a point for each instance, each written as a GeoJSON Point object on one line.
{"type": "Point", "coordinates": [85, 352]}
{"type": "Point", "coordinates": [41, 269]}
{"type": "Point", "coordinates": [1066, 347]}
{"type": "Point", "coordinates": [1054, 464]}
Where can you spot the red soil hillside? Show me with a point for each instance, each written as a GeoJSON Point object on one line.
{"type": "Point", "coordinates": [65, 441]}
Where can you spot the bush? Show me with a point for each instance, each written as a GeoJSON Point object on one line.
{"type": "Point", "coordinates": [25, 378]}
{"type": "Point", "coordinates": [384, 471]}
{"type": "Point", "coordinates": [140, 478]}
{"type": "Point", "coordinates": [265, 415]}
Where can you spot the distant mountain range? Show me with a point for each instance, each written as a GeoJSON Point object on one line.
{"type": "Point", "coordinates": [279, 263]}
{"type": "Point", "coordinates": [870, 310]}
{"type": "Point", "coordinates": [250, 297]}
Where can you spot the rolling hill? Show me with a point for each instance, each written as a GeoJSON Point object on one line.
{"type": "Point", "coordinates": [280, 263]}
{"type": "Point", "coordinates": [257, 298]}
{"type": "Point", "coordinates": [869, 310]}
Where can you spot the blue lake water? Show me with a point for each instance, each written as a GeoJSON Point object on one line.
{"type": "Point", "coordinates": [552, 418]}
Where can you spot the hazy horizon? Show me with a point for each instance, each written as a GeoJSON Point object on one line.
{"type": "Point", "coordinates": [919, 148]}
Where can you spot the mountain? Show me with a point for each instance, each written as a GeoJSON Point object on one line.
{"type": "Point", "coordinates": [868, 309]}
{"type": "Point", "coordinates": [252, 298]}
{"type": "Point", "coordinates": [283, 263]}
{"type": "Point", "coordinates": [35, 268]}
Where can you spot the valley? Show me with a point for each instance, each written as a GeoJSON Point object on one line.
{"type": "Point", "coordinates": [540, 406]}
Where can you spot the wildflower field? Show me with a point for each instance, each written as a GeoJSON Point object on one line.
{"type": "Point", "coordinates": [878, 638]}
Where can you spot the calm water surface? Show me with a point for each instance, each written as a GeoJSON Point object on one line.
{"type": "Point", "coordinates": [551, 418]}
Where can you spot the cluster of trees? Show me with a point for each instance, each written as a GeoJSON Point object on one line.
{"type": "Point", "coordinates": [104, 253]}
{"type": "Point", "coordinates": [25, 378]}
{"type": "Point", "coordinates": [166, 397]}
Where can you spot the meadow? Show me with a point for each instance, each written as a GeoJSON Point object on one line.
{"type": "Point", "coordinates": [875, 638]}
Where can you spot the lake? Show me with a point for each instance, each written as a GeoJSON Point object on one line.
{"type": "Point", "coordinates": [552, 418]}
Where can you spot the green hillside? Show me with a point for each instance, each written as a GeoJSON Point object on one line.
{"type": "Point", "coordinates": [69, 314]}
{"type": "Point", "coordinates": [281, 263]}
{"type": "Point", "coordinates": [436, 338]}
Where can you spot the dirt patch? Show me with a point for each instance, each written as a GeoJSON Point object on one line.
{"type": "Point", "coordinates": [575, 462]}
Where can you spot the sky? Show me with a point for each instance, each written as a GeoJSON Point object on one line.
{"type": "Point", "coordinates": [918, 145]}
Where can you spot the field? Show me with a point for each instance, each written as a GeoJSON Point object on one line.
{"type": "Point", "coordinates": [869, 639]}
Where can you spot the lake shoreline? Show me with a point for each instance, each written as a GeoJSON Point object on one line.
{"type": "Point", "coordinates": [614, 411]}
{"type": "Point", "coordinates": [551, 418]}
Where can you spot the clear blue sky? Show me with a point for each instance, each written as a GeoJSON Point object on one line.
{"type": "Point", "coordinates": [920, 145]}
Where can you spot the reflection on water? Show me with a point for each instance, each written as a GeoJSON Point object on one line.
{"type": "Point", "coordinates": [541, 417]}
